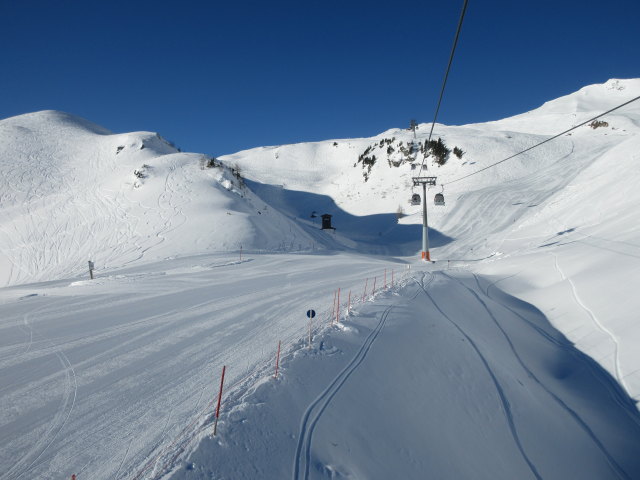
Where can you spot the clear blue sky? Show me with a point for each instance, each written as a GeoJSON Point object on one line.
{"type": "Point", "coordinates": [220, 77]}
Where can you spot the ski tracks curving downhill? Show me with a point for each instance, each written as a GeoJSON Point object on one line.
{"type": "Point", "coordinates": [501, 394]}
{"type": "Point", "coordinates": [597, 323]}
{"type": "Point", "coordinates": [608, 384]}
{"type": "Point", "coordinates": [572, 413]}
{"type": "Point", "coordinates": [315, 410]}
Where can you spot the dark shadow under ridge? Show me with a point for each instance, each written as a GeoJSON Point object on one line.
{"type": "Point", "coordinates": [374, 234]}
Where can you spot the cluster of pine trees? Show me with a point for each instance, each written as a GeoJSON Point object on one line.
{"type": "Point", "coordinates": [408, 153]}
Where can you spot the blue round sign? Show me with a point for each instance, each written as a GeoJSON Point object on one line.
{"type": "Point", "coordinates": [311, 313]}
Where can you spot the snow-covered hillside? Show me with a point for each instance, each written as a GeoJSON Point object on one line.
{"type": "Point", "coordinates": [477, 356]}
{"type": "Point", "coordinates": [572, 203]}
{"type": "Point", "coordinates": [71, 192]}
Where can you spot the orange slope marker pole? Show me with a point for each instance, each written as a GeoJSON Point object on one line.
{"type": "Point", "coordinates": [215, 425]}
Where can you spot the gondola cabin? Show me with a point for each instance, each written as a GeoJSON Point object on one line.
{"type": "Point", "coordinates": [326, 222]}
{"type": "Point", "coordinates": [439, 199]}
{"type": "Point", "coordinates": [415, 199]}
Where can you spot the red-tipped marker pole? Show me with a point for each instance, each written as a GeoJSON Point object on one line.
{"type": "Point", "coordinates": [215, 425]}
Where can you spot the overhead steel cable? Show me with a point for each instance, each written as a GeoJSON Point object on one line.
{"type": "Point", "coordinates": [543, 142]}
{"type": "Point", "coordinates": [446, 76]}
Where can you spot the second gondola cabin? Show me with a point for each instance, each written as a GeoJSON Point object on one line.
{"type": "Point", "coordinates": [439, 199]}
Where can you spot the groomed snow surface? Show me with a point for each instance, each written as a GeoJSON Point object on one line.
{"type": "Point", "coordinates": [115, 377]}
{"type": "Point", "coordinates": [514, 355]}
{"type": "Point", "coordinates": [447, 377]}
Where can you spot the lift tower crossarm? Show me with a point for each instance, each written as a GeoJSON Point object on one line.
{"type": "Point", "coordinates": [424, 181]}
{"type": "Point", "coordinates": [431, 181]}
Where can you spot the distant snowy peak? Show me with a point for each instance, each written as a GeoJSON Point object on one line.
{"type": "Point", "coordinates": [55, 126]}
{"type": "Point", "coordinates": [569, 110]}
{"type": "Point", "coordinates": [598, 97]}
{"type": "Point", "coordinates": [53, 121]}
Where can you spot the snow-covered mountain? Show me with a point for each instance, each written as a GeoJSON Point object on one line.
{"type": "Point", "coordinates": [70, 191]}
{"type": "Point", "coordinates": [112, 378]}
{"type": "Point", "coordinates": [562, 217]}
{"type": "Point", "coordinates": [334, 170]}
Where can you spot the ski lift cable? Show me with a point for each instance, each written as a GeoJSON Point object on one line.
{"type": "Point", "coordinates": [446, 76]}
{"type": "Point", "coordinates": [544, 141]}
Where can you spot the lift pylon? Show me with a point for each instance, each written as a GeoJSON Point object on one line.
{"type": "Point", "coordinates": [424, 181]}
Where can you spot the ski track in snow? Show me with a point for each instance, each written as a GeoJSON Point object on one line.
{"type": "Point", "coordinates": [607, 381]}
{"type": "Point", "coordinates": [57, 423]}
{"type": "Point", "coordinates": [70, 197]}
{"type": "Point", "coordinates": [572, 413]}
{"type": "Point", "coordinates": [162, 461]}
{"type": "Point", "coordinates": [597, 323]}
{"type": "Point", "coordinates": [28, 327]}
{"type": "Point", "coordinates": [314, 411]}
{"type": "Point", "coordinates": [501, 394]}
{"type": "Point", "coordinates": [124, 458]}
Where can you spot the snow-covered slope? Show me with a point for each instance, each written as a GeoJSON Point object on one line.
{"type": "Point", "coordinates": [565, 215]}
{"type": "Point", "coordinates": [569, 110]}
{"type": "Point", "coordinates": [437, 380]}
{"type": "Point", "coordinates": [332, 168]}
{"type": "Point", "coordinates": [117, 377]}
{"type": "Point", "coordinates": [71, 192]}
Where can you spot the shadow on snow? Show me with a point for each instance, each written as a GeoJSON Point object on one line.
{"type": "Point", "coordinates": [374, 234]}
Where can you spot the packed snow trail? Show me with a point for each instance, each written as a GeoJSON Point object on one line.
{"type": "Point", "coordinates": [116, 376]}
{"type": "Point", "coordinates": [499, 389]}
{"type": "Point", "coordinates": [463, 381]}
{"type": "Point", "coordinates": [315, 410]}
